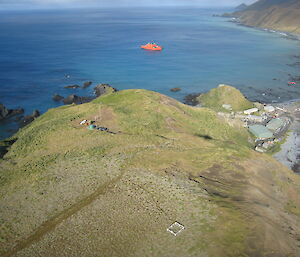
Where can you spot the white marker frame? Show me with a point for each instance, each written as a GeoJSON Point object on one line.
{"type": "Point", "coordinates": [176, 225]}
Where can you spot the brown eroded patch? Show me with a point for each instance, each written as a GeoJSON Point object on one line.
{"type": "Point", "coordinates": [226, 176]}
{"type": "Point", "coordinates": [103, 117]}
{"type": "Point", "coordinates": [264, 196]}
{"type": "Point", "coordinates": [168, 101]}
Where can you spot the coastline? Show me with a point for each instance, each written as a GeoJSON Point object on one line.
{"type": "Point", "coordinates": [284, 34]}
{"type": "Point", "coordinates": [122, 170]}
{"type": "Point", "coordinates": [289, 154]}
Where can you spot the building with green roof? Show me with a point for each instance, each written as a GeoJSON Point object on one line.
{"type": "Point", "coordinates": [260, 132]}
{"type": "Point", "coordinates": [275, 124]}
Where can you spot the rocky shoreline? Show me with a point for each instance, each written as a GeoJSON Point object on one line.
{"type": "Point", "coordinates": [235, 19]}
{"type": "Point", "coordinates": [6, 113]}
{"type": "Point", "coordinates": [99, 90]}
{"type": "Point", "coordinates": [19, 120]}
{"type": "Point", "coordinates": [289, 155]}
{"type": "Point", "coordinates": [18, 114]}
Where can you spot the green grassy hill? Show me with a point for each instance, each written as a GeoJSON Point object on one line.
{"type": "Point", "coordinates": [225, 94]}
{"type": "Point", "coordinates": [69, 191]}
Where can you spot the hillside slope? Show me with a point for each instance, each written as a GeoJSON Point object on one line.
{"type": "Point", "coordinates": [224, 94]}
{"type": "Point", "coordinates": [281, 15]}
{"type": "Point", "coordinates": [69, 191]}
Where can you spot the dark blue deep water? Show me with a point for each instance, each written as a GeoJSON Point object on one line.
{"type": "Point", "coordinates": [39, 48]}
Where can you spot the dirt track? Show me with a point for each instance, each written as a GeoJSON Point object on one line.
{"type": "Point", "coordinates": [50, 224]}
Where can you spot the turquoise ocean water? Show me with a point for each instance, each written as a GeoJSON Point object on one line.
{"type": "Point", "coordinates": [39, 48]}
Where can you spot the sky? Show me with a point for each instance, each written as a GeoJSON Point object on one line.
{"type": "Point", "coordinates": [11, 4]}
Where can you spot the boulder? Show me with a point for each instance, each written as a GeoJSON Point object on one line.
{"type": "Point", "coordinates": [102, 89]}
{"type": "Point", "coordinates": [86, 99]}
{"type": "Point", "coordinates": [72, 86]}
{"type": "Point", "coordinates": [14, 112]}
{"type": "Point", "coordinates": [175, 89]}
{"type": "Point", "coordinates": [192, 99]}
{"type": "Point", "coordinates": [36, 113]}
{"type": "Point", "coordinates": [87, 84]}
{"type": "Point", "coordinates": [75, 99]}
{"type": "Point", "coordinates": [72, 99]}
{"type": "Point", "coordinates": [57, 97]}
{"type": "Point", "coordinates": [30, 118]}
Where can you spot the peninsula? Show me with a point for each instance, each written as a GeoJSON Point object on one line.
{"type": "Point", "coordinates": [137, 173]}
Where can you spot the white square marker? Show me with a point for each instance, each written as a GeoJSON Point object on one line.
{"type": "Point", "coordinates": [175, 228]}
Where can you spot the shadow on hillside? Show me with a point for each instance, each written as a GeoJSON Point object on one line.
{"type": "Point", "coordinates": [207, 137]}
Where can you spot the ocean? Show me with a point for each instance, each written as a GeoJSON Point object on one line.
{"type": "Point", "coordinates": [43, 51]}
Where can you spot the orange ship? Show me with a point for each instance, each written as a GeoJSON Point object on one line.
{"type": "Point", "coordinates": [152, 47]}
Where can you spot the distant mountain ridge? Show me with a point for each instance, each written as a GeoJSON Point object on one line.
{"type": "Point", "coordinates": [281, 15]}
{"type": "Point", "coordinates": [241, 7]}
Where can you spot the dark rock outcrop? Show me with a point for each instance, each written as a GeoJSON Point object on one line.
{"type": "Point", "coordinates": [3, 111]}
{"type": "Point", "coordinates": [29, 118]}
{"type": "Point", "coordinates": [99, 90]}
{"type": "Point", "coordinates": [86, 99]}
{"type": "Point", "coordinates": [72, 86]}
{"type": "Point", "coordinates": [4, 146]}
{"type": "Point", "coordinates": [75, 99]}
{"type": "Point", "coordinates": [7, 113]}
{"type": "Point", "coordinates": [14, 112]}
{"type": "Point", "coordinates": [87, 84]}
{"type": "Point", "coordinates": [175, 89]}
{"type": "Point", "coordinates": [57, 97]}
{"type": "Point", "coordinates": [191, 99]}
{"type": "Point", "coordinates": [102, 89]}
{"type": "Point", "coordinates": [72, 99]}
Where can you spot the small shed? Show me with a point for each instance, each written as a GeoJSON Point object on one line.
{"type": "Point", "coordinates": [250, 111]}
{"type": "Point", "coordinates": [275, 124]}
{"type": "Point", "coordinates": [269, 108]}
{"type": "Point", "coordinates": [260, 132]}
{"type": "Point", "coordinates": [254, 118]}
{"type": "Point", "coordinates": [227, 107]}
